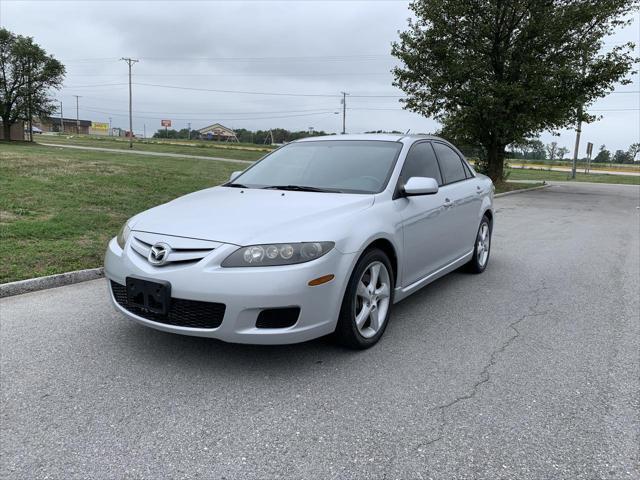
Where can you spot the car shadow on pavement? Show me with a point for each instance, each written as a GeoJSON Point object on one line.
{"type": "Point", "coordinates": [181, 351]}
{"type": "Point", "coordinates": [146, 344]}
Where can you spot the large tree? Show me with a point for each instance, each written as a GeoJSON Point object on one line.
{"type": "Point", "coordinates": [495, 72]}
{"type": "Point", "coordinates": [26, 75]}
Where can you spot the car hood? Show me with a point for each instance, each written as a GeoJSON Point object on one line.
{"type": "Point", "coordinates": [251, 216]}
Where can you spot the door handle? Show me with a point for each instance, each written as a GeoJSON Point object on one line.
{"type": "Point", "coordinates": [478, 190]}
{"type": "Point", "coordinates": [447, 203]}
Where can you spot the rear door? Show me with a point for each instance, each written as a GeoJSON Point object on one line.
{"type": "Point", "coordinates": [460, 191]}
{"type": "Point", "coordinates": [424, 222]}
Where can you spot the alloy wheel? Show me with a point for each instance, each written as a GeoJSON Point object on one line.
{"type": "Point", "coordinates": [483, 245]}
{"type": "Point", "coordinates": [372, 298]}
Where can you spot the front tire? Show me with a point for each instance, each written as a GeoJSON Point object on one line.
{"type": "Point", "coordinates": [367, 302]}
{"type": "Point", "coordinates": [481, 248]}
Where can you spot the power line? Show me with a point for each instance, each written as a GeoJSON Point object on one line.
{"type": "Point", "coordinates": [332, 112]}
{"type": "Point", "coordinates": [284, 94]}
{"type": "Point", "coordinates": [195, 89]}
{"type": "Point", "coordinates": [210, 114]}
{"type": "Point", "coordinates": [95, 85]}
{"type": "Point", "coordinates": [318, 74]}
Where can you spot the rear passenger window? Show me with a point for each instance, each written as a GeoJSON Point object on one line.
{"type": "Point", "coordinates": [421, 162]}
{"type": "Point", "coordinates": [450, 163]}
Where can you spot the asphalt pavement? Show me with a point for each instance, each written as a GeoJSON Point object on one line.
{"type": "Point", "coordinates": [529, 371]}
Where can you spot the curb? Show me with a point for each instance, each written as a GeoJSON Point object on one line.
{"type": "Point", "coordinates": [523, 190]}
{"type": "Point", "coordinates": [50, 281]}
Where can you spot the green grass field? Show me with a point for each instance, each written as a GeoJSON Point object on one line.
{"type": "Point", "coordinates": [623, 167]}
{"type": "Point", "coordinates": [208, 149]}
{"type": "Point", "coordinates": [59, 207]}
{"type": "Point", "coordinates": [548, 175]}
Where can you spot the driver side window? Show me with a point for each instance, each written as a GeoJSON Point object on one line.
{"type": "Point", "coordinates": [421, 162]}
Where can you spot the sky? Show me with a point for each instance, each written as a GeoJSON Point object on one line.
{"type": "Point", "coordinates": [198, 61]}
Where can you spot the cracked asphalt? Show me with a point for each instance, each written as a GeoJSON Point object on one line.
{"type": "Point", "coordinates": [529, 371]}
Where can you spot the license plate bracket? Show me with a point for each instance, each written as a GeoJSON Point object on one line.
{"type": "Point", "coordinates": [149, 295]}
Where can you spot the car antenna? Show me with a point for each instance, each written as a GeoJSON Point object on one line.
{"type": "Point", "coordinates": [408, 132]}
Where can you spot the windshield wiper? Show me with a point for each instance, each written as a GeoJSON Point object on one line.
{"type": "Point", "coordinates": [235, 185]}
{"type": "Point", "coordinates": [301, 188]}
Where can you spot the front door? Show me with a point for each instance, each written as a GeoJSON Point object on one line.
{"type": "Point", "coordinates": [424, 218]}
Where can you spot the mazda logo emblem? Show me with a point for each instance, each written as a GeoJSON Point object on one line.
{"type": "Point", "coordinates": [159, 254]}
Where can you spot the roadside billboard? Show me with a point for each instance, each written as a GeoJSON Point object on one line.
{"type": "Point", "coordinates": [165, 123]}
{"type": "Point", "coordinates": [99, 128]}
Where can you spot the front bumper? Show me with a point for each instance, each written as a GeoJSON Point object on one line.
{"type": "Point", "coordinates": [245, 292]}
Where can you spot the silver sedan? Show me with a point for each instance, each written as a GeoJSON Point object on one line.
{"type": "Point", "coordinates": [320, 237]}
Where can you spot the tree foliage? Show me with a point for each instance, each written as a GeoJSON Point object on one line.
{"type": "Point", "coordinates": [280, 135]}
{"type": "Point", "coordinates": [603, 156]}
{"type": "Point", "coordinates": [495, 72]}
{"type": "Point", "coordinates": [176, 134]}
{"type": "Point", "coordinates": [26, 75]}
{"type": "Point", "coordinates": [260, 137]}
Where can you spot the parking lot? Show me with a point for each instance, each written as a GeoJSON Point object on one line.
{"type": "Point", "coordinates": [530, 370]}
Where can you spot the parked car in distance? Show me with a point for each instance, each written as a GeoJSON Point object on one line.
{"type": "Point", "coordinates": [321, 236]}
{"type": "Point", "coordinates": [34, 130]}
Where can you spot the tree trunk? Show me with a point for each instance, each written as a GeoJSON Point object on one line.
{"type": "Point", "coordinates": [495, 162]}
{"type": "Point", "coordinates": [6, 127]}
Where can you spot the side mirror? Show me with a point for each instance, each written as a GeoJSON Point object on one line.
{"type": "Point", "coordinates": [420, 186]}
{"type": "Point", "coordinates": [234, 175]}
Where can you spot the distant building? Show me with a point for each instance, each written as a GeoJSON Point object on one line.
{"type": "Point", "coordinates": [219, 133]}
{"type": "Point", "coordinates": [52, 124]}
{"type": "Point", "coordinates": [18, 130]}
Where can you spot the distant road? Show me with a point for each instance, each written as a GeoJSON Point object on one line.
{"type": "Point", "coordinates": [580, 170]}
{"type": "Point", "coordinates": [153, 154]}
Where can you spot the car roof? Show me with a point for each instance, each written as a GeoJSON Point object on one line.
{"type": "Point", "coordinates": [387, 137]}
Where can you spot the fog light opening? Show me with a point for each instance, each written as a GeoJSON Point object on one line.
{"type": "Point", "coordinates": [321, 280]}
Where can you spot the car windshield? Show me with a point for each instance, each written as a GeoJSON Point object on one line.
{"type": "Point", "coordinates": [346, 166]}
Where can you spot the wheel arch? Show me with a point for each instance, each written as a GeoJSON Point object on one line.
{"type": "Point", "coordinates": [387, 247]}
{"type": "Point", "coordinates": [489, 214]}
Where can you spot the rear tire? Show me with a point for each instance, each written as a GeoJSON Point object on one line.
{"type": "Point", "coordinates": [367, 302]}
{"type": "Point", "coordinates": [481, 247]}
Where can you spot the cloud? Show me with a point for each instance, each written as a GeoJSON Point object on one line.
{"type": "Point", "coordinates": [322, 47]}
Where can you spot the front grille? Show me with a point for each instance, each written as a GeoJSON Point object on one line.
{"type": "Point", "coordinates": [176, 255]}
{"type": "Point", "coordinates": [181, 312]}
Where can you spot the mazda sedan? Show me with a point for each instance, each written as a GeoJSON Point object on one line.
{"type": "Point", "coordinates": [321, 236]}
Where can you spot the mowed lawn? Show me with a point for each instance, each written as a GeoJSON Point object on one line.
{"type": "Point", "coordinates": [59, 207]}
{"type": "Point", "coordinates": [184, 147]}
{"type": "Point", "coordinates": [550, 175]}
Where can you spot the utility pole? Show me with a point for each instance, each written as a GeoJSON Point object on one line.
{"type": "Point", "coordinates": [61, 119]}
{"type": "Point", "coordinates": [110, 129]}
{"type": "Point", "coordinates": [344, 112]}
{"type": "Point", "coordinates": [189, 130]}
{"type": "Point", "coordinates": [144, 130]}
{"type": "Point", "coordinates": [30, 121]}
{"type": "Point", "coordinates": [77, 114]}
{"type": "Point", "coordinates": [130, 62]}
{"type": "Point", "coordinates": [578, 127]}
{"type": "Point", "coordinates": [577, 145]}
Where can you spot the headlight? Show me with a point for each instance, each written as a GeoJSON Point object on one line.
{"type": "Point", "coordinates": [123, 234]}
{"type": "Point", "coordinates": [277, 254]}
